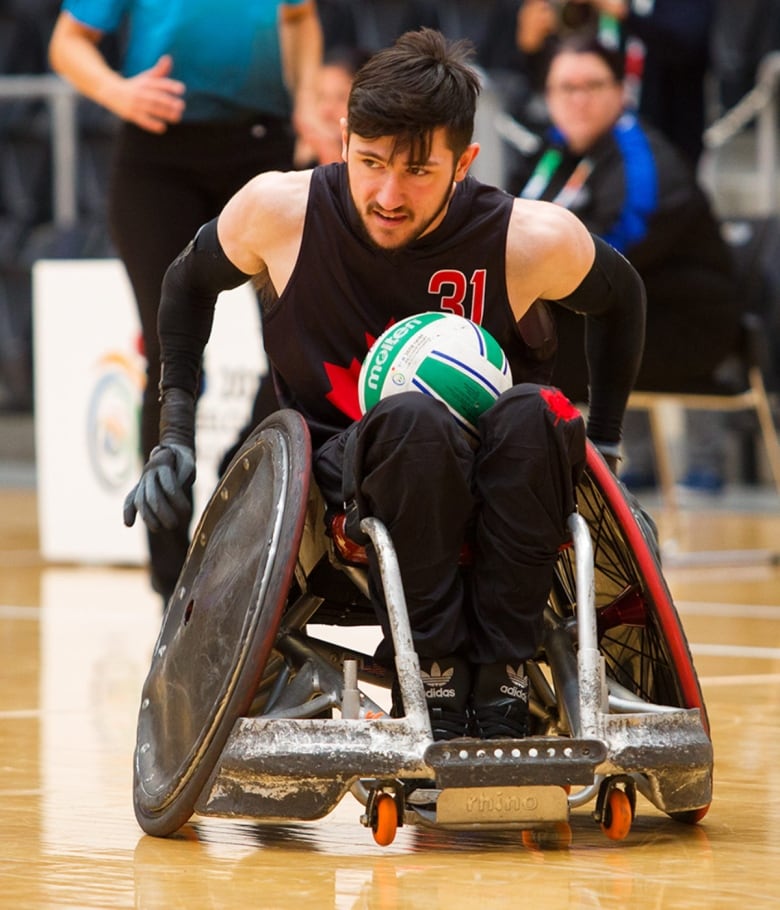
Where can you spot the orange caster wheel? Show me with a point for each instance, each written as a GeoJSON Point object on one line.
{"type": "Point", "coordinates": [618, 815]}
{"type": "Point", "coordinates": [384, 822]}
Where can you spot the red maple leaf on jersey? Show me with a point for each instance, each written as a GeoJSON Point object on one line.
{"type": "Point", "coordinates": [344, 383]}
{"type": "Point", "coordinates": [344, 388]}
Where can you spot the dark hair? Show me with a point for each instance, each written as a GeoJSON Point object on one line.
{"type": "Point", "coordinates": [614, 58]}
{"type": "Point", "coordinates": [408, 90]}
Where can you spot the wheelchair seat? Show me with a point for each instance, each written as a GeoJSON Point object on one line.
{"type": "Point", "coordinates": [355, 554]}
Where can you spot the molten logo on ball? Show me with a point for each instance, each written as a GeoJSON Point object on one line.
{"type": "Point", "coordinates": [442, 355]}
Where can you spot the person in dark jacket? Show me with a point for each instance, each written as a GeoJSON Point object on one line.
{"type": "Point", "coordinates": [630, 186]}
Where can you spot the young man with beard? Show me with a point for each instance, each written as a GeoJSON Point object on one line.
{"type": "Point", "coordinates": [345, 250]}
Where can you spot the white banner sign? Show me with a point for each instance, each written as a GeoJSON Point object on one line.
{"type": "Point", "coordinates": [89, 376]}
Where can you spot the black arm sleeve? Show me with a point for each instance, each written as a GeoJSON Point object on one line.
{"type": "Point", "coordinates": [189, 293]}
{"type": "Point", "coordinates": [612, 298]}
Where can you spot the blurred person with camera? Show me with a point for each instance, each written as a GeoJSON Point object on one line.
{"type": "Point", "coordinates": [666, 45]}
{"type": "Point", "coordinates": [542, 24]}
{"type": "Point", "coordinates": [521, 36]}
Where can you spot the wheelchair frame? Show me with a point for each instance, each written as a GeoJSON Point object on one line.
{"type": "Point", "coordinates": [231, 720]}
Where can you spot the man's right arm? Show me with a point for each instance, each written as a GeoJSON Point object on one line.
{"type": "Point", "coordinates": [150, 100]}
{"type": "Point", "coordinates": [259, 229]}
{"type": "Point", "coordinates": [189, 294]}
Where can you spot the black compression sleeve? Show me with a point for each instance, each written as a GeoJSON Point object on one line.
{"type": "Point", "coordinates": [612, 298]}
{"type": "Point", "coordinates": [189, 293]}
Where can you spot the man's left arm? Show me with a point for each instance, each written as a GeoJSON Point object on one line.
{"type": "Point", "coordinates": [611, 296]}
{"type": "Point", "coordinates": [552, 256]}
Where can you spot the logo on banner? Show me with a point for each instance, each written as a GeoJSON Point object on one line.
{"type": "Point", "coordinates": [113, 423]}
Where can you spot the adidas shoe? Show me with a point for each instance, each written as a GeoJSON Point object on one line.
{"type": "Point", "coordinates": [447, 683]}
{"type": "Point", "coordinates": [500, 701]}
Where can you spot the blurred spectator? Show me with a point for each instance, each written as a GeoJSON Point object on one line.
{"type": "Point", "coordinates": [666, 43]}
{"type": "Point", "coordinates": [205, 106]}
{"type": "Point", "coordinates": [674, 59]}
{"type": "Point", "coordinates": [630, 186]}
{"type": "Point", "coordinates": [320, 140]}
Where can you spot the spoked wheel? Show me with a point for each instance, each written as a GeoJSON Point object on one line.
{"type": "Point", "coordinates": [640, 634]}
{"type": "Point", "coordinates": [221, 623]}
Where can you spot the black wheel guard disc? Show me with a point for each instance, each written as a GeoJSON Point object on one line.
{"type": "Point", "coordinates": [221, 623]}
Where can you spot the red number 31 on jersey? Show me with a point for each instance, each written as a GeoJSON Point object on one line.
{"type": "Point", "coordinates": [452, 288]}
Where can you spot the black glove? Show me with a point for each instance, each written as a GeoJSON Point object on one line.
{"type": "Point", "coordinates": [162, 496]}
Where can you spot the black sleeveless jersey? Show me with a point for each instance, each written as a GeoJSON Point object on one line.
{"type": "Point", "coordinates": [344, 292]}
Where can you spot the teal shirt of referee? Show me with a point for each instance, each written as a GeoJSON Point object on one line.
{"type": "Point", "coordinates": [237, 65]}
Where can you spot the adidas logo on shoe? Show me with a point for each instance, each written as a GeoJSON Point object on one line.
{"type": "Point", "coordinates": [447, 684]}
{"type": "Point", "coordinates": [518, 687]}
{"type": "Point", "coordinates": [436, 682]}
{"type": "Point", "coordinates": [500, 701]}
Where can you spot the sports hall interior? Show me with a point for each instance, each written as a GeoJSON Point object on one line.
{"type": "Point", "coordinates": [78, 628]}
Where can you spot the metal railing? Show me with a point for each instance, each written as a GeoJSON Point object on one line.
{"type": "Point", "coordinates": [759, 105]}
{"type": "Point", "coordinates": [61, 99]}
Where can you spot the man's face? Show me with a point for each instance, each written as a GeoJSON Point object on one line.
{"type": "Point", "coordinates": [583, 97]}
{"type": "Point", "coordinates": [399, 201]}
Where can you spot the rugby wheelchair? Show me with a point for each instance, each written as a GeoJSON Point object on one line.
{"type": "Point", "coordinates": [245, 714]}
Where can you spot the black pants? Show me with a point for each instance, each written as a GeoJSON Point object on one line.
{"type": "Point", "coordinates": [415, 470]}
{"type": "Point", "coordinates": [163, 188]}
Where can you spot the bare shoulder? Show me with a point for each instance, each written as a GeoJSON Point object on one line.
{"type": "Point", "coordinates": [549, 252]}
{"type": "Point", "coordinates": [261, 225]}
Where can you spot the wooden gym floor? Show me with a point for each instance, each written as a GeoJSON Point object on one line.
{"type": "Point", "coordinates": [75, 644]}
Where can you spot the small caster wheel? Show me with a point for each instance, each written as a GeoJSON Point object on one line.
{"type": "Point", "coordinates": [618, 815]}
{"type": "Point", "coordinates": [384, 821]}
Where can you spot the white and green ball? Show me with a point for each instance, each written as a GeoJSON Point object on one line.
{"type": "Point", "coordinates": [442, 355]}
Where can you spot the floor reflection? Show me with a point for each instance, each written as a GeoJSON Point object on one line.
{"type": "Point", "coordinates": [70, 679]}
